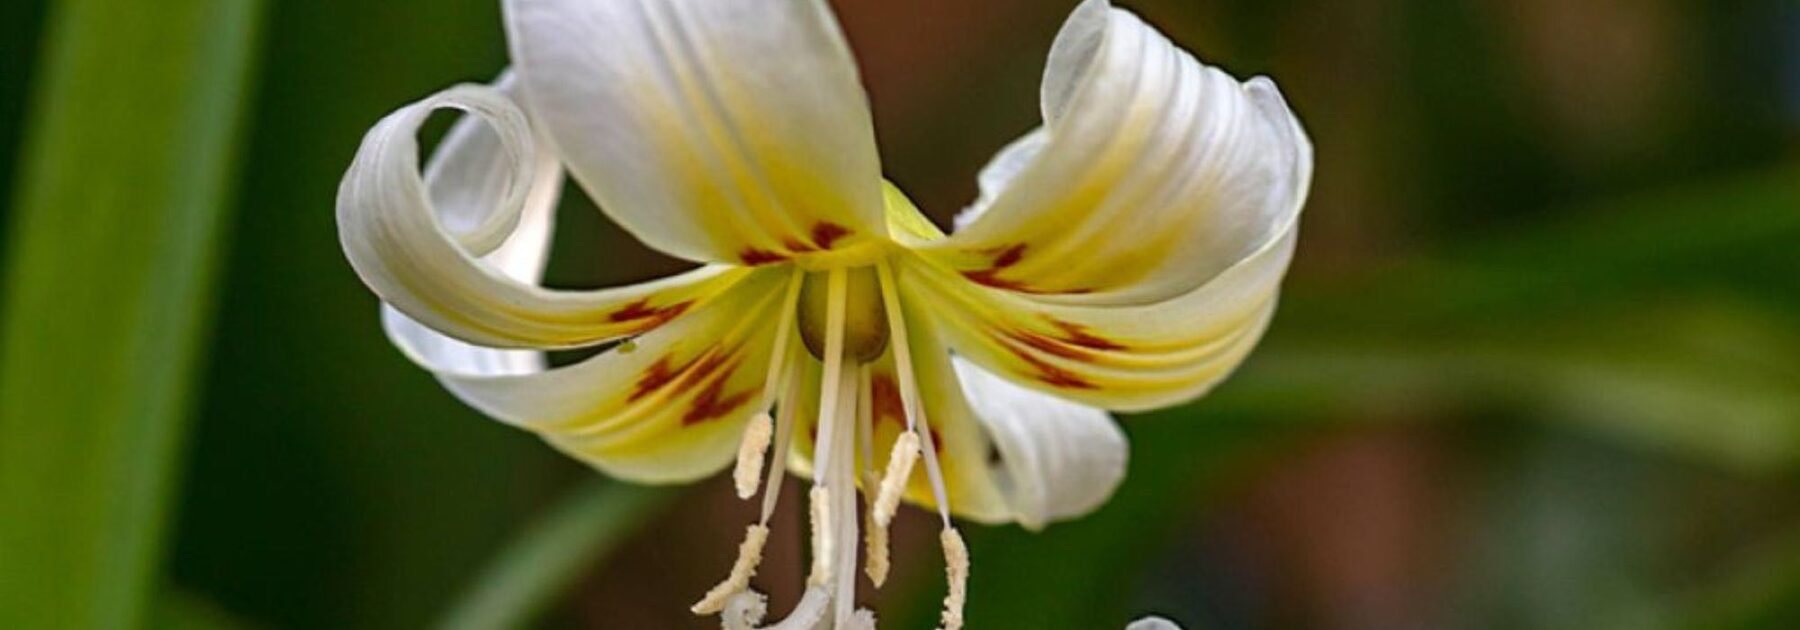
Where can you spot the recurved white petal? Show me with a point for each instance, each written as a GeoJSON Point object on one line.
{"type": "Point", "coordinates": [1118, 357]}
{"type": "Point", "coordinates": [1058, 459]}
{"type": "Point", "coordinates": [414, 257]}
{"type": "Point", "coordinates": [667, 406]}
{"type": "Point", "coordinates": [467, 179]}
{"type": "Point", "coordinates": [727, 131]}
{"type": "Point", "coordinates": [1153, 173]}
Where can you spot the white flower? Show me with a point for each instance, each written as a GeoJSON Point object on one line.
{"type": "Point", "coordinates": [1125, 256]}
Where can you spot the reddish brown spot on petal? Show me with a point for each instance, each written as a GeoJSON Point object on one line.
{"type": "Point", "coordinates": [660, 374]}
{"type": "Point", "coordinates": [1009, 256]}
{"type": "Point", "coordinates": [990, 277]}
{"type": "Point", "coordinates": [1047, 372]}
{"type": "Point", "coordinates": [664, 373]}
{"type": "Point", "coordinates": [797, 246]}
{"type": "Point", "coordinates": [649, 317]}
{"type": "Point", "coordinates": [884, 400]}
{"type": "Point", "coordinates": [753, 256]}
{"type": "Point", "coordinates": [885, 403]}
{"type": "Point", "coordinates": [705, 365]}
{"type": "Point", "coordinates": [713, 403]}
{"type": "Point", "coordinates": [1049, 345]}
{"type": "Point", "coordinates": [1078, 334]}
{"type": "Point", "coordinates": [825, 233]}
{"type": "Point", "coordinates": [1005, 257]}
{"type": "Point", "coordinates": [1059, 377]}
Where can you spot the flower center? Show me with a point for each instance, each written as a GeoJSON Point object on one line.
{"type": "Point", "coordinates": [846, 316]}
{"type": "Point", "coordinates": [865, 316]}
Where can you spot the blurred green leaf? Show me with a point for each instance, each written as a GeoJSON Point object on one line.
{"type": "Point", "coordinates": [108, 286]}
{"type": "Point", "coordinates": [545, 559]}
{"type": "Point", "coordinates": [1709, 379]}
{"type": "Point", "coordinates": [185, 610]}
{"type": "Point", "coordinates": [1640, 317]}
{"type": "Point", "coordinates": [332, 482]}
{"type": "Point", "coordinates": [1762, 591]}
{"type": "Point", "coordinates": [1734, 234]}
{"type": "Point", "coordinates": [1565, 533]}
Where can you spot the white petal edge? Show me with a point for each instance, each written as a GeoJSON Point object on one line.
{"type": "Point", "coordinates": [1060, 459]}
{"type": "Point", "coordinates": [1152, 623]}
{"type": "Point", "coordinates": [713, 131]}
{"type": "Point", "coordinates": [1000, 171]}
{"type": "Point", "coordinates": [467, 178]}
{"type": "Point", "coordinates": [394, 238]}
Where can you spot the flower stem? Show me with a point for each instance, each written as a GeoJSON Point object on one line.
{"type": "Point", "coordinates": [543, 560]}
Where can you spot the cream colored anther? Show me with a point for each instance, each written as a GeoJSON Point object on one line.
{"type": "Point", "coordinates": [757, 435]}
{"type": "Point", "coordinates": [749, 556]}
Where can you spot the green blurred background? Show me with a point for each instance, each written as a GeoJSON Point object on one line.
{"type": "Point", "coordinates": [1538, 363]}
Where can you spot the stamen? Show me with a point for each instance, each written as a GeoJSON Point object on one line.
{"type": "Point", "coordinates": [881, 514]}
{"type": "Point", "coordinates": [824, 547]}
{"type": "Point", "coordinates": [878, 562]}
{"type": "Point", "coordinates": [758, 432]}
{"type": "Point", "coordinates": [821, 536]}
{"type": "Point", "coordinates": [956, 553]}
{"type": "Point", "coordinates": [909, 389]}
{"type": "Point", "coordinates": [779, 354]}
{"type": "Point", "coordinates": [899, 471]}
{"type": "Point", "coordinates": [933, 473]}
{"type": "Point", "coordinates": [750, 454]}
{"type": "Point", "coordinates": [784, 436]}
{"type": "Point", "coordinates": [749, 555]}
{"type": "Point", "coordinates": [956, 570]}
{"type": "Point", "coordinates": [890, 299]}
{"type": "Point", "coordinates": [875, 539]}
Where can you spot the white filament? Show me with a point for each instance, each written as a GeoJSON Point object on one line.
{"type": "Point", "coordinates": [836, 294]}
{"type": "Point", "coordinates": [747, 609]}
{"type": "Point", "coordinates": [843, 481]}
{"type": "Point", "coordinates": [784, 436]}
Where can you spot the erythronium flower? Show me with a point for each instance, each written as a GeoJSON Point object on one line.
{"type": "Point", "coordinates": [1125, 256]}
